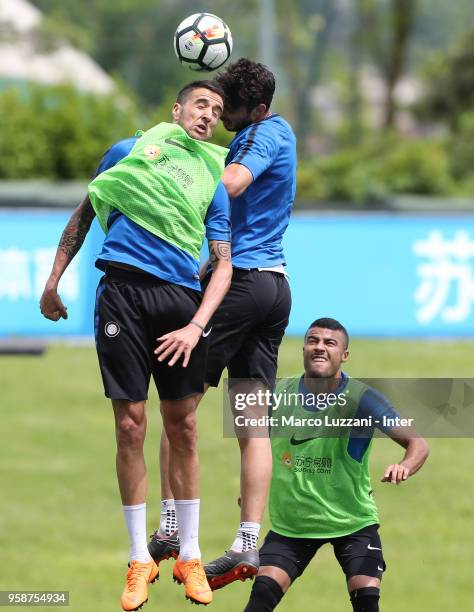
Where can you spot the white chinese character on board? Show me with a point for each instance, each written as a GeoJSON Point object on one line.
{"type": "Point", "coordinates": [15, 278]}
{"type": "Point", "coordinates": [69, 283]}
{"type": "Point", "coordinates": [448, 273]}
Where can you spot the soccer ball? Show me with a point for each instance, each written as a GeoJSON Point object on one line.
{"type": "Point", "coordinates": [203, 42]}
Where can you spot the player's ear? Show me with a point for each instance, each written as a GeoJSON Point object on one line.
{"type": "Point", "coordinates": [345, 355]}
{"type": "Point", "coordinates": [258, 113]}
{"type": "Point", "coordinates": [176, 112]}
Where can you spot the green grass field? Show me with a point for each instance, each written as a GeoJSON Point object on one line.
{"type": "Point", "coordinates": [61, 524]}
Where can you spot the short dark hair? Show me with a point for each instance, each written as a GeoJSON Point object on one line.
{"type": "Point", "coordinates": [213, 86]}
{"type": "Point", "coordinates": [247, 83]}
{"type": "Point", "coordinates": [328, 323]}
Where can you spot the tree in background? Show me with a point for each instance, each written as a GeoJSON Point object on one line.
{"type": "Point", "coordinates": [133, 39]}
{"type": "Point", "coordinates": [304, 32]}
{"type": "Point", "coordinates": [402, 18]}
{"type": "Point", "coordinates": [449, 79]}
{"type": "Point", "coordinates": [449, 100]}
{"type": "Point", "coordinates": [386, 30]}
{"type": "Point", "coordinates": [320, 43]}
{"type": "Point", "coordinates": [59, 133]}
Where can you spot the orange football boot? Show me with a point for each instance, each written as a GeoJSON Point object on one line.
{"type": "Point", "coordinates": [139, 576]}
{"type": "Point", "coordinates": [191, 574]}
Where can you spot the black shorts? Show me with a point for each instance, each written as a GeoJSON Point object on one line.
{"type": "Point", "coordinates": [132, 310]}
{"type": "Point", "coordinates": [359, 553]}
{"type": "Point", "coordinates": [248, 327]}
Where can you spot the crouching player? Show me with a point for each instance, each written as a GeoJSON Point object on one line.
{"type": "Point", "coordinates": [320, 491]}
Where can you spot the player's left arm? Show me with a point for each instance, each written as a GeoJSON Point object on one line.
{"type": "Point", "coordinates": [181, 342]}
{"type": "Point", "coordinates": [416, 453]}
{"type": "Point", "coordinates": [375, 405]}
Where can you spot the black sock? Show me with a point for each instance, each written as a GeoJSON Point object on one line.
{"type": "Point", "coordinates": [366, 599]}
{"type": "Point", "coordinates": [265, 596]}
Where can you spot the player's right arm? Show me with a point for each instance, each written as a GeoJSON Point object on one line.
{"type": "Point", "coordinates": [73, 236]}
{"type": "Point", "coordinates": [255, 155]}
{"type": "Point", "coordinates": [236, 179]}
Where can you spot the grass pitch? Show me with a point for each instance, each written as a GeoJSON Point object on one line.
{"type": "Point", "coordinates": [61, 526]}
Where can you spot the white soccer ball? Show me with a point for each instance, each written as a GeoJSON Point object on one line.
{"type": "Point", "coordinates": [203, 42]}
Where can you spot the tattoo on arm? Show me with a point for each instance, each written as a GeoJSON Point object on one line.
{"type": "Point", "coordinates": [77, 228]}
{"type": "Point", "coordinates": [218, 250]}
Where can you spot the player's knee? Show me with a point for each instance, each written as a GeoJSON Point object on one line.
{"type": "Point", "coordinates": [182, 433]}
{"type": "Point", "coordinates": [130, 433]}
{"type": "Point", "coordinates": [265, 595]}
{"type": "Point", "coordinates": [365, 599]}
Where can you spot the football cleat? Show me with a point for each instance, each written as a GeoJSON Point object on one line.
{"type": "Point", "coordinates": [139, 576]}
{"type": "Point", "coordinates": [232, 566]}
{"type": "Point", "coordinates": [191, 574]}
{"type": "Point", "coordinates": [163, 547]}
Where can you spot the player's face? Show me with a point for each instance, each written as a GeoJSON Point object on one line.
{"type": "Point", "coordinates": [199, 113]}
{"type": "Point", "coordinates": [236, 119]}
{"type": "Point", "coordinates": [324, 351]}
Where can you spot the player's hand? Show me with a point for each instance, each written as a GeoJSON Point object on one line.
{"type": "Point", "coordinates": [178, 343]}
{"type": "Point", "coordinates": [51, 305]}
{"type": "Point", "coordinates": [396, 473]}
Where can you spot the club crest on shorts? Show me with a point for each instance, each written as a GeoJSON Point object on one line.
{"type": "Point", "coordinates": [112, 329]}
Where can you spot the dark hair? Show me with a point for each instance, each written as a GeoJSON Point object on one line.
{"type": "Point", "coordinates": [247, 83]}
{"type": "Point", "coordinates": [205, 84]}
{"type": "Point", "coordinates": [328, 323]}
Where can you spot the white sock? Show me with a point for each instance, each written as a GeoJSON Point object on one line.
{"type": "Point", "coordinates": [168, 522]}
{"type": "Point", "coordinates": [135, 517]}
{"type": "Point", "coordinates": [247, 537]}
{"type": "Point", "coordinates": [187, 514]}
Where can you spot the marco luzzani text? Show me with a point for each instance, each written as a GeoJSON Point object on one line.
{"type": "Point", "coordinates": [318, 401]}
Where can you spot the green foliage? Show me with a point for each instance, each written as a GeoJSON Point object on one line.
{"type": "Point", "coordinates": [438, 23]}
{"type": "Point", "coordinates": [24, 150]}
{"type": "Point", "coordinates": [449, 82]}
{"type": "Point", "coordinates": [373, 172]}
{"type": "Point", "coordinates": [461, 147]}
{"type": "Point", "coordinates": [349, 175]}
{"type": "Point", "coordinates": [58, 133]}
{"type": "Point", "coordinates": [419, 167]}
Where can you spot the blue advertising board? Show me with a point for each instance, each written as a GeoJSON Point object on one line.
{"type": "Point", "coordinates": [383, 274]}
{"type": "Point", "coordinates": [380, 274]}
{"type": "Point", "coordinates": [28, 242]}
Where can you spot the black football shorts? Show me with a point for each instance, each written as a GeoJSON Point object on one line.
{"type": "Point", "coordinates": [133, 309]}
{"type": "Point", "coordinates": [248, 327]}
{"type": "Point", "coordinates": [359, 553]}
